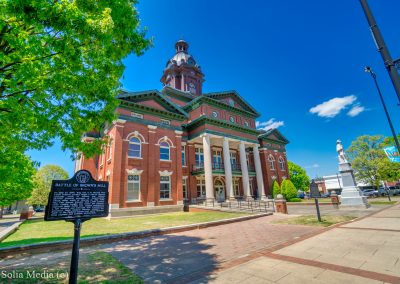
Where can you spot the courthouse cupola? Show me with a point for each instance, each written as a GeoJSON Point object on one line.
{"type": "Point", "coordinates": [182, 72]}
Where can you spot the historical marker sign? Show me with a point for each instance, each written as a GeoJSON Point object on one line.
{"type": "Point", "coordinates": [314, 190]}
{"type": "Point", "coordinates": [80, 197]}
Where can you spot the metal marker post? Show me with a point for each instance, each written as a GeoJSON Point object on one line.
{"type": "Point", "coordinates": [317, 206]}
{"type": "Point", "coordinates": [73, 271]}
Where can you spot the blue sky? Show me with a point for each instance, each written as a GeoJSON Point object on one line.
{"type": "Point", "coordinates": [299, 63]}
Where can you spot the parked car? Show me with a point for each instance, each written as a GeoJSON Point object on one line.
{"type": "Point", "coordinates": [370, 192]}
{"type": "Point", "coordinates": [300, 194]}
{"type": "Point", "coordinates": [394, 190]}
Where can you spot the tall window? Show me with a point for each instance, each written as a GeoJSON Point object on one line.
{"type": "Point", "coordinates": [199, 158]}
{"type": "Point", "coordinates": [271, 161]}
{"type": "Point", "coordinates": [281, 163]}
{"type": "Point", "coordinates": [133, 187]}
{"type": "Point", "coordinates": [183, 156]}
{"type": "Point", "coordinates": [184, 188]}
{"type": "Point", "coordinates": [233, 160]}
{"type": "Point", "coordinates": [164, 151]}
{"type": "Point", "coordinates": [110, 148]}
{"type": "Point", "coordinates": [236, 188]}
{"type": "Point", "coordinates": [165, 187]}
{"type": "Point", "coordinates": [134, 147]}
{"type": "Point", "coordinates": [201, 188]}
{"type": "Point", "coordinates": [217, 159]}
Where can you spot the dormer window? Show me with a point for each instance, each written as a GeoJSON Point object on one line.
{"type": "Point", "coordinates": [231, 102]}
{"type": "Point", "coordinates": [232, 119]}
{"type": "Point", "coordinates": [215, 114]}
{"type": "Point", "coordinates": [246, 123]}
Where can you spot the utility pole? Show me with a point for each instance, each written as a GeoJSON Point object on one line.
{"type": "Point", "coordinates": [380, 44]}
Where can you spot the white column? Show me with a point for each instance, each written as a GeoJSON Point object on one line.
{"type": "Point", "coordinates": [245, 172]}
{"type": "Point", "coordinates": [208, 167]}
{"type": "Point", "coordinates": [228, 170]}
{"type": "Point", "coordinates": [257, 164]}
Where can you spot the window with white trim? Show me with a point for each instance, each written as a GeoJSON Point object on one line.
{"type": "Point", "coordinates": [183, 156]}
{"type": "Point", "coordinates": [137, 115]}
{"type": "Point", "coordinates": [184, 188]}
{"type": "Point", "coordinates": [246, 123]}
{"type": "Point", "coordinates": [133, 188]}
{"type": "Point", "coordinates": [233, 160]}
{"type": "Point", "coordinates": [232, 119]}
{"type": "Point", "coordinates": [165, 187]}
{"type": "Point", "coordinates": [201, 188]}
{"type": "Point", "coordinates": [271, 161]}
{"type": "Point", "coordinates": [217, 159]}
{"type": "Point", "coordinates": [236, 188]}
{"type": "Point", "coordinates": [215, 114]}
{"type": "Point", "coordinates": [199, 157]}
{"type": "Point", "coordinates": [281, 163]}
{"type": "Point", "coordinates": [110, 149]}
{"type": "Point", "coordinates": [135, 146]}
{"type": "Point", "coordinates": [164, 151]}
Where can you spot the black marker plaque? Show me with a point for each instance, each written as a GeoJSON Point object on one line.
{"type": "Point", "coordinates": [77, 200]}
{"type": "Point", "coordinates": [79, 197]}
{"type": "Point", "coordinates": [314, 193]}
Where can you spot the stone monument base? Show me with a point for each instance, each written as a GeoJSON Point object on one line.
{"type": "Point", "coordinates": [352, 197]}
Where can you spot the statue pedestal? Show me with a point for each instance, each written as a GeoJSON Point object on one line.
{"type": "Point", "coordinates": [351, 195]}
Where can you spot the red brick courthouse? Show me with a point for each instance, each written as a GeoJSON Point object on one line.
{"type": "Point", "coordinates": [180, 143]}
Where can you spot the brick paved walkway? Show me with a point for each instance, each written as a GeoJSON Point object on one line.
{"type": "Point", "coordinates": [181, 257]}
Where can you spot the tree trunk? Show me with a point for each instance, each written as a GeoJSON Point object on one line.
{"type": "Point", "coordinates": [1, 211]}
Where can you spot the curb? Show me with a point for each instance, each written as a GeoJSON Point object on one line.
{"type": "Point", "coordinates": [91, 241]}
{"type": "Point", "coordinates": [6, 232]}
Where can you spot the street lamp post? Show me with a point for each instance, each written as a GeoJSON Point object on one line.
{"type": "Point", "coordinates": [390, 64]}
{"type": "Point", "coordinates": [373, 75]}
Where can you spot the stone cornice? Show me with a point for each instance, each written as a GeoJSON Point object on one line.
{"type": "Point", "coordinates": [204, 99]}
{"type": "Point", "coordinates": [223, 123]}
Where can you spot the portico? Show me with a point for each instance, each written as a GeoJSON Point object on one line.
{"type": "Point", "coordinates": [209, 165]}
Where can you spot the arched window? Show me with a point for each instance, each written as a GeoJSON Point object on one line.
{"type": "Point", "coordinates": [281, 163]}
{"type": "Point", "coordinates": [135, 146]}
{"type": "Point", "coordinates": [271, 161]}
{"type": "Point", "coordinates": [110, 148]}
{"type": "Point", "coordinates": [164, 151]}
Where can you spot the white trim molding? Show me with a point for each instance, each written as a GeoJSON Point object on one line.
{"type": "Point", "coordinates": [166, 139]}
{"type": "Point", "coordinates": [165, 173]}
{"type": "Point", "coordinates": [152, 126]}
{"type": "Point", "coordinates": [138, 135]}
{"type": "Point", "coordinates": [134, 171]}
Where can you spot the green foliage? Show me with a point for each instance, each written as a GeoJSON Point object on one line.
{"type": "Point", "coordinates": [298, 176]}
{"type": "Point", "coordinates": [370, 162]}
{"type": "Point", "coordinates": [276, 189]}
{"type": "Point", "coordinates": [289, 191]}
{"type": "Point", "coordinates": [60, 67]}
{"type": "Point", "coordinates": [16, 172]}
{"type": "Point", "coordinates": [43, 179]}
{"type": "Point", "coordinates": [296, 199]}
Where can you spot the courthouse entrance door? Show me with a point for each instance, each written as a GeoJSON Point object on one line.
{"type": "Point", "coordinates": [219, 191]}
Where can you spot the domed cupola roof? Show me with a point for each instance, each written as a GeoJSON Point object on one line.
{"type": "Point", "coordinates": [182, 56]}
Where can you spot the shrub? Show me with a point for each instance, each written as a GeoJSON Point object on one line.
{"type": "Point", "coordinates": [289, 191]}
{"type": "Point", "coordinates": [276, 189]}
{"type": "Point", "coordinates": [296, 199]}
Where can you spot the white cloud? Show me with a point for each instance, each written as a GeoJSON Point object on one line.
{"type": "Point", "coordinates": [333, 107]}
{"type": "Point", "coordinates": [270, 124]}
{"type": "Point", "coordinates": [356, 110]}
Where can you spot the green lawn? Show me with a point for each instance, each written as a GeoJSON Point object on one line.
{"type": "Point", "coordinates": [38, 231]}
{"type": "Point", "coordinates": [311, 200]}
{"type": "Point", "coordinates": [97, 267]}
{"type": "Point", "coordinates": [382, 202]}
{"type": "Point", "coordinates": [313, 221]}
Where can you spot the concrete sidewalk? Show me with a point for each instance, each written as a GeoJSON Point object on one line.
{"type": "Point", "coordinates": [363, 251]}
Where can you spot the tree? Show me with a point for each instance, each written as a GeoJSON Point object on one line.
{"type": "Point", "coordinates": [276, 189]}
{"type": "Point", "coordinates": [43, 179]}
{"type": "Point", "coordinates": [298, 176]}
{"type": "Point", "coordinates": [370, 162]}
{"type": "Point", "coordinates": [60, 65]}
{"type": "Point", "coordinates": [16, 171]}
{"type": "Point", "coordinates": [289, 191]}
